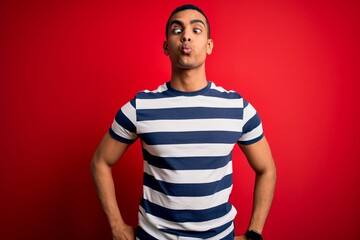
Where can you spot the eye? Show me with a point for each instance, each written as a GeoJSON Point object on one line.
{"type": "Point", "coordinates": [177, 31]}
{"type": "Point", "coordinates": [197, 30]}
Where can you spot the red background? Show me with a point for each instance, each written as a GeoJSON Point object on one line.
{"type": "Point", "coordinates": [67, 66]}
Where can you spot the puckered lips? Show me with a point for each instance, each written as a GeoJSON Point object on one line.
{"type": "Point", "coordinates": [186, 49]}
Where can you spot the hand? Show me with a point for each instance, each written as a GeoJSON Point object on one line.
{"type": "Point", "coordinates": [240, 238]}
{"type": "Point", "coordinates": [124, 233]}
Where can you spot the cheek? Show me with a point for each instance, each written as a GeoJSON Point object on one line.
{"type": "Point", "coordinates": [173, 47]}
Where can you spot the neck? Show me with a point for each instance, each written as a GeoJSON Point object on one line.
{"type": "Point", "coordinates": [188, 80]}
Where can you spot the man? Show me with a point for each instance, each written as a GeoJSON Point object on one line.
{"type": "Point", "coordinates": [188, 128]}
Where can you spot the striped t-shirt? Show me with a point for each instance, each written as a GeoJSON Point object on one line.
{"type": "Point", "coordinates": [187, 141]}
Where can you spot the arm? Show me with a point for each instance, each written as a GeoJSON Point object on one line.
{"type": "Point", "coordinates": [261, 161]}
{"type": "Point", "coordinates": [108, 153]}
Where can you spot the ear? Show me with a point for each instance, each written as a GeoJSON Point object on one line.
{"type": "Point", "coordinates": [210, 46]}
{"type": "Point", "coordinates": [166, 48]}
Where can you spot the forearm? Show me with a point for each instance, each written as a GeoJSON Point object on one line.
{"type": "Point", "coordinates": [105, 189]}
{"type": "Point", "coordinates": [263, 196]}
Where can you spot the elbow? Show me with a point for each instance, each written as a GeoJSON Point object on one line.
{"type": "Point", "coordinates": [271, 170]}
{"type": "Point", "coordinates": [93, 166]}
{"type": "Point", "coordinates": [98, 165]}
{"type": "Point", "coordinates": [272, 174]}
{"type": "Point", "coordinates": [268, 172]}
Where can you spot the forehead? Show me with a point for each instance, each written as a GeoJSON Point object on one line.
{"type": "Point", "coordinates": [187, 16]}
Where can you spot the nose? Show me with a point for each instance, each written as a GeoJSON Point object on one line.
{"type": "Point", "coordinates": [184, 39]}
{"type": "Point", "coordinates": [186, 36]}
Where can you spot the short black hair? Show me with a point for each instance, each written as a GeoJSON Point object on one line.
{"type": "Point", "coordinates": [183, 8]}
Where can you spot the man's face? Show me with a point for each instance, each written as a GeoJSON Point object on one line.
{"type": "Point", "coordinates": [188, 43]}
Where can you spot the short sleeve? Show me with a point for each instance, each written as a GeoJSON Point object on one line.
{"type": "Point", "coordinates": [252, 128]}
{"type": "Point", "coordinates": [123, 127]}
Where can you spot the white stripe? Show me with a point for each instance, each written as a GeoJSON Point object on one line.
{"type": "Point", "coordinates": [249, 112]}
{"type": "Point", "coordinates": [122, 132]}
{"type": "Point", "coordinates": [190, 125]}
{"type": "Point", "coordinates": [160, 89]}
{"type": "Point", "coordinates": [183, 203]}
{"type": "Point", "coordinates": [152, 230]}
{"type": "Point", "coordinates": [189, 101]}
{"type": "Point", "coordinates": [160, 223]}
{"type": "Point", "coordinates": [189, 150]}
{"type": "Point", "coordinates": [224, 233]}
{"type": "Point", "coordinates": [220, 89]}
{"type": "Point", "coordinates": [130, 112]}
{"type": "Point", "coordinates": [188, 176]}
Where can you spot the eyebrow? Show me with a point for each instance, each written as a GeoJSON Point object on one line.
{"type": "Point", "coordinates": [182, 23]}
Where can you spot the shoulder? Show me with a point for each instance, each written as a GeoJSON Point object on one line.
{"type": "Point", "coordinates": [219, 91]}
{"type": "Point", "coordinates": [150, 94]}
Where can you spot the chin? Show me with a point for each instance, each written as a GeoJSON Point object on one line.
{"type": "Point", "coordinates": [187, 65]}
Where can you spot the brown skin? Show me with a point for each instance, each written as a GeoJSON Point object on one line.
{"type": "Point", "coordinates": [187, 47]}
{"type": "Point", "coordinates": [107, 154]}
{"type": "Point", "coordinates": [260, 159]}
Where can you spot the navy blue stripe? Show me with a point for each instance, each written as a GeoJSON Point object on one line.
{"type": "Point", "coordinates": [186, 163]}
{"type": "Point", "coordinates": [185, 215]}
{"type": "Point", "coordinates": [189, 113]}
{"type": "Point", "coordinates": [142, 235]}
{"type": "Point", "coordinates": [190, 137]}
{"type": "Point", "coordinates": [125, 122]}
{"type": "Point", "coordinates": [150, 95]}
{"type": "Point", "coordinates": [133, 102]}
{"type": "Point", "coordinates": [119, 138]}
{"type": "Point", "coordinates": [246, 103]}
{"type": "Point", "coordinates": [170, 92]}
{"type": "Point", "coordinates": [154, 95]}
{"type": "Point", "coordinates": [226, 95]}
{"type": "Point", "coordinates": [204, 234]}
{"type": "Point", "coordinates": [252, 123]}
{"type": "Point", "coordinates": [176, 92]}
{"type": "Point", "coordinates": [252, 140]}
{"type": "Point", "coordinates": [187, 189]}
